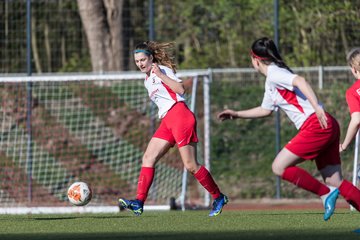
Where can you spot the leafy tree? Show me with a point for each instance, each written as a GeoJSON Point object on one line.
{"type": "Point", "coordinates": [318, 32]}
{"type": "Point", "coordinates": [214, 33]}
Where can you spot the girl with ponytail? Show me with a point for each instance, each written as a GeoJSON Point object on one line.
{"type": "Point", "coordinates": [177, 127]}
{"type": "Point", "coordinates": [319, 133]}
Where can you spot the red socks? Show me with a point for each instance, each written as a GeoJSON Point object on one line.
{"type": "Point", "coordinates": [206, 180]}
{"type": "Point", "coordinates": [350, 193]}
{"type": "Point", "coordinates": [147, 175]}
{"type": "Point", "coordinates": [304, 180]}
{"type": "Point", "coordinates": [146, 178]}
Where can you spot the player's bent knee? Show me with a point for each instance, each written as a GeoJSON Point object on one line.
{"type": "Point", "coordinates": [148, 161]}
{"type": "Point", "coordinates": [278, 171]}
{"type": "Point", "coordinates": [192, 169]}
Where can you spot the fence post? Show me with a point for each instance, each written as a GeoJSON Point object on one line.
{"type": "Point", "coordinates": [29, 160]}
{"type": "Point", "coordinates": [321, 77]}
{"type": "Point", "coordinates": [151, 21]}
{"type": "Point", "coordinates": [277, 116]}
{"type": "Point", "coordinates": [207, 80]}
{"type": "Point", "coordinates": [355, 167]}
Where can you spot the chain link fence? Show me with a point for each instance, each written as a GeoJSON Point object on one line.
{"type": "Point", "coordinates": [241, 151]}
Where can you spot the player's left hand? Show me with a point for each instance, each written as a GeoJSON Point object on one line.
{"type": "Point", "coordinates": [227, 114]}
{"type": "Point", "coordinates": [341, 148]}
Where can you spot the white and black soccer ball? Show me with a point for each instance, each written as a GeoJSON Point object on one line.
{"type": "Point", "coordinates": [79, 193]}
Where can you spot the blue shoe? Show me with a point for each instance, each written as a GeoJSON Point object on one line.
{"type": "Point", "coordinates": [218, 205]}
{"type": "Point", "coordinates": [330, 203]}
{"type": "Point", "coordinates": [136, 206]}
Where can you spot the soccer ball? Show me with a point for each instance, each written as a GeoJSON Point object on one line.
{"type": "Point", "coordinates": [79, 193]}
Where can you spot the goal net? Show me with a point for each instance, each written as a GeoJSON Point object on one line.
{"type": "Point", "coordinates": [59, 129]}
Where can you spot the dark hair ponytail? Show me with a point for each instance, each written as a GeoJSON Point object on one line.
{"type": "Point", "coordinates": [266, 51]}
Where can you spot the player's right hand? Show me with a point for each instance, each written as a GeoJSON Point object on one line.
{"type": "Point", "coordinates": [320, 113]}
{"type": "Point", "coordinates": [227, 114]}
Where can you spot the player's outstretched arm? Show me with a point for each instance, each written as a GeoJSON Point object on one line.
{"type": "Point", "coordinates": [257, 112]}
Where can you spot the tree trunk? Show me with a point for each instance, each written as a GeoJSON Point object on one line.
{"type": "Point", "coordinates": [344, 39]}
{"type": "Point", "coordinates": [114, 9]}
{"type": "Point", "coordinates": [34, 47]}
{"type": "Point", "coordinates": [47, 46]}
{"type": "Point", "coordinates": [102, 21]}
{"type": "Point", "coordinates": [62, 37]}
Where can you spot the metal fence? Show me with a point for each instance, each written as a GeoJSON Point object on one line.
{"type": "Point", "coordinates": [59, 45]}
{"type": "Point", "coordinates": [250, 144]}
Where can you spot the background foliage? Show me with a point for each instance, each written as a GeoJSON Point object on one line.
{"type": "Point", "coordinates": [214, 34]}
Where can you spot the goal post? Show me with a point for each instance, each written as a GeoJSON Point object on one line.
{"type": "Point", "coordinates": [86, 127]}
{"type": "Point", "coordinates": [356, 168]}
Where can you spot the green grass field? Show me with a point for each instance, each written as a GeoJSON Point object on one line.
{"type": "Point", "coordinates": [173, 225]}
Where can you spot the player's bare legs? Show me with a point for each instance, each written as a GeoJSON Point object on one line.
{"type": "Point", "coordinates": [155, 150]}
{"type": "Point", "coordinates": [283, 160]}
{"type": "Point", "coordinates": [284, 165]}
{"type": "Point", "coordinates": [188, 156]}
{"type": "Point", "coordinates": [333, 177]}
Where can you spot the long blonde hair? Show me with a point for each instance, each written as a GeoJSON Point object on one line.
{"type": "Point", "coordinates": [160, 51]}
{"type": "Point", "coordinates": [353, 58]}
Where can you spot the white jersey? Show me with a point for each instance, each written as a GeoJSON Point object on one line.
{"type": "Point", "coordinates": [160, 93]}
{"type": "Point", "coordinates": [279, 92]}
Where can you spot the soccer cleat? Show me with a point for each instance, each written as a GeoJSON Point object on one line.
{"type": "Point", "coordinates": [136, 206]}
{"type": "Point", "coordinates": [218, 205]}
{"type": "Point", "coordinates": [330, 203]}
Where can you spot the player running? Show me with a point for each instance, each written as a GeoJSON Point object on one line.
{"type": "Point", "coordinates": [353, 98]}
{"type": "Point", "coordinates": [353, 101]}
{"type": "Point", "coordinates": [178, 125]}
{"type": "Point", "coordinates": [318, 136]}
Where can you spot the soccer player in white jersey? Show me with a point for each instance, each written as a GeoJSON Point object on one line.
{"type": "Point", "coordinates": [319, 133]}
{"type": "Point", "coordinates": [178, 125]}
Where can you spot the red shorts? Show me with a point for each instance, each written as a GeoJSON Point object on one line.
{"type": "Point", "coordinates": [178, 126]}
{"type": "Point", "coordinates": [313, 142]}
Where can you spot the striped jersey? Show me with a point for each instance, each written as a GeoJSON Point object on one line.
{"type": "Point", "coordinates": [353, 97]}
{"type": "Point", "coordinates": [160, 93]}
{"type": "Point", "coordinates": [279, 92]}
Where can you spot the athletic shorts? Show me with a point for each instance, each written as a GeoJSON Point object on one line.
{"type": "Point", "coordinates": [178, 126]}
{"type": "Point", "coordinates": [314, 143]}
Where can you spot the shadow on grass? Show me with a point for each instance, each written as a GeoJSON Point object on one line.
{"type": "Point", "coordinates": [60, 218]}
{"type": "Point", "coordinates": [241, 235]}
{"type": "Point", "coordinates": [79, 217]}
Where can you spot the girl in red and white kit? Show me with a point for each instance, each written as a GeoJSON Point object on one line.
{"type": "Point", "coordinates": [353, 101]}
{"type": "Point", "coordinates": [178, 125]}
{"type": "Point", "coordinates": [319, 133]}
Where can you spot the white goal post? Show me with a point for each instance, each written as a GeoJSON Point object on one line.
{"type": "Point", "coordinates": [57, 129]}
{"type": "Point", "coordinates": [356, 164]}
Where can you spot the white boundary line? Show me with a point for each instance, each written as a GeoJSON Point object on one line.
{"type": "Point", "coordinates": [73, 209]}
